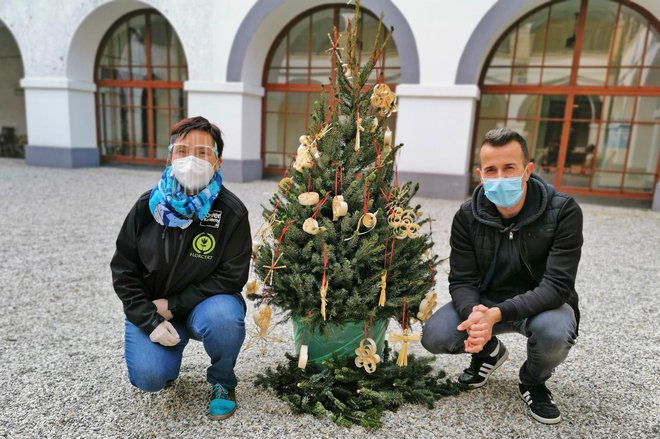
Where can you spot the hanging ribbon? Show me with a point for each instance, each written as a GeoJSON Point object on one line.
{"type": "Point", "coordinates": [403, 314]}
{"type": "Point", "coordinates": [320, 204]}
{"type": "Point", "coordinates": [378, 157]}
{"type": "Point", "coordinates": [370, 326]}
{"type": "Point", "coordinates": [324, 282]}
{"type": "Point", "coordinates": [387, 198]}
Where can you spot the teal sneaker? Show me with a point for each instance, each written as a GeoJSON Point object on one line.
{"type": "Point", "coordinates": [223, 402]}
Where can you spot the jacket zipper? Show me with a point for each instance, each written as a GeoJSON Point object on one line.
{"type": "Point", "coordinates": [524, 261]}
{"type": "Point", "coordinates": [167, 247]}
{"type": "Point", "coordinates": [182, 238]}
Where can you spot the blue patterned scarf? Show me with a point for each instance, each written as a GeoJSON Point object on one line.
{"type": "Point", "coordinates": [172, 207]}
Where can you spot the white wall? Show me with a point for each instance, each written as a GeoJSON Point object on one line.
{"type": "Point", "coordinates": [59, 41]}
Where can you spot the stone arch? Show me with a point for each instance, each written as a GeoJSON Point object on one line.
{"type": "Point", "coordinates": [13, 134]}
{"type": "Point", "coordinates": [259, 26]}
{"type": "Point", "coordinates": [492, 25]}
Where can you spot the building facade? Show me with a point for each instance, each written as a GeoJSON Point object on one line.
{"type": "Point", "coordinates": [85, 83]}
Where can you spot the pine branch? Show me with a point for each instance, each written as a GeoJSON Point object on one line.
{"type": "Point", "coordinates": [349, 395]}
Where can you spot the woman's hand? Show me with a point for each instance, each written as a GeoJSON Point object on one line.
{"type": "Point", "coordinates": [161, 308]}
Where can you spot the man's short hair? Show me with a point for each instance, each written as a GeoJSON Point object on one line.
{"type": "Point", "coordinates": [183, 127]}
{"type": "Point", "coordinates": [502, 136]}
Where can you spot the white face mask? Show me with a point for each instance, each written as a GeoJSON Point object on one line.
{"type": "Point", "coordinates": [192, 172]}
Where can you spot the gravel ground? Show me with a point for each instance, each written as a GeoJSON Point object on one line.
{"type": "Point", "coordinates": [61, 342]}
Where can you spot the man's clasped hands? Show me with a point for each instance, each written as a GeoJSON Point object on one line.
{"type": "Point", "coordinates": [479, 327]}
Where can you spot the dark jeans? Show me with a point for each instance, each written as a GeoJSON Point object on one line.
{"type": "Point", "coordinates": [217, 322]}
{"type": "Point", "coordinates": [550, 335]}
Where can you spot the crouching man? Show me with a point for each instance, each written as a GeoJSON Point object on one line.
{"type": "Point", "coordinates": [515, 249]}
{"type": "Point", "coordinates": [182, 258]}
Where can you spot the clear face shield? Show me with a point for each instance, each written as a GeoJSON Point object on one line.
{"type": "Point", "coordinates": [193, 164]}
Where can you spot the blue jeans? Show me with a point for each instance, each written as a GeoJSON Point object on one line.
{"type": "Point", "coordinates": [550, 335]}
{"type": "Point", "coordinates": [217, 322]}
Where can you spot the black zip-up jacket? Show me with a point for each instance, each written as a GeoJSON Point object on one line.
{"type": "Point", "coordinates": [184, 266]}
{"type": "Point", "coordinates": [546, 237]}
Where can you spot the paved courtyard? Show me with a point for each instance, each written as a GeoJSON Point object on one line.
{"type": "Point", "coordinates": [62, 370]}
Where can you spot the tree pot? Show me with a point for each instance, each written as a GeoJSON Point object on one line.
{"type": "Point", "coordinates": [341, 338]}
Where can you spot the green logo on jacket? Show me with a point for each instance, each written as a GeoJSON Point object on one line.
{"type": "Point", "coordinates": [204, 243]}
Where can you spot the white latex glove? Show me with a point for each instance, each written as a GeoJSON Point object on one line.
{"type": "Point", "coordinates": [165, 334]}
{"type": "Point", "coordinates": [161, 308]}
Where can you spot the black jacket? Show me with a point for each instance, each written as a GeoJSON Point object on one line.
{"type": "Point", "coordinates": [546, 237]}
{"type": "Point", "coordinates": [184, 266]}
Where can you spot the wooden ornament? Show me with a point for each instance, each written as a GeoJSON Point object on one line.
{"type": "Point", "coordinates": [309, 144]}
{"type": "Point", "coordinates": [339, 207]}
{"type": "Point", "coordinates": [272, 267]}
{"type": "Point", "coordinates": [366, 356]}
{"type": "Point", "coordinates": [394, 218]}
{"type": "Point", "coordinates": [360, 128]}
{"type": "Point", "coordinates": [302, 357]}
{"type": "Point", "coordinates": [387, 141]}
{"type": "Point", "coordinates": [374, 125]}
{"type": "Point", "coordinates": [404, 339]}
{"type": "Point", "coordinates": [251, 288]}
{"type": "Point", "coordinates": [368, 220]}
{"type": "Point", "coordinates": [408, 228]}
{"type": "Point", "coordinates": [403, 223]}
{"type": "Point", "coordinates": [285, 184]}
{"type": "Point", "coordinates": [262, 318]}
{"type": "Point", "coordinates": [311, 226]}
{"type": "Point", "coordinates": [303, 159]}
{"type": "Point", "coordinates": [427, 306]}
{"type": "Point", "coordinates": [383, 99]}
{"type": "Point", "coordinates": [383, 287]}
{"type": "Point", "coordinates": [308, 198]}
{"type": "Point", "coordinates": [255, 249]}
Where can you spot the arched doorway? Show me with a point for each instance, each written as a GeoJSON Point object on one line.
{"type": "Point", "coordinates": [139, 73]}
{"type": "Point", "coordinates": [13, 129]}
{"type": "Point", "coordinates": [580, 80]}
{"type": "Point", "coordinates": [297, 66]}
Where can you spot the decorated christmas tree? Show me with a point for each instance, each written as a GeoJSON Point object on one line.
{"type": "Point", "coordinates": [342, 248]}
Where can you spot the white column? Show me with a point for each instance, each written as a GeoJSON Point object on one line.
{"type": "Point", "coordinates": [435, 124]}
{"type": "Point", "coordinates": [236, 108]}
{"type": "Point", "coordinates": [61, 122]}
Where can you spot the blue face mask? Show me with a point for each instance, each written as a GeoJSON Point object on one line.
{"type": "Point", "coordinates": [504, 192]}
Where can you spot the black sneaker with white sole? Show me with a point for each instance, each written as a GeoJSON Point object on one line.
{"type": "Point", "coordinates": [481, 367]}
{"type": "Point", "coordinates": [541, 406]}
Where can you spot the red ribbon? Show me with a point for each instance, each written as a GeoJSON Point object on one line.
{"type": "Point", "coordinates": [325, 263]}
{"type": "Point", "coordinates": [387, 198]}
{"type": "Point", "coordinates": [403, 314]}
{"type": "Point", "coordinates": [279, 241]}
{"type": "Point", "coordinates": [321, 203]}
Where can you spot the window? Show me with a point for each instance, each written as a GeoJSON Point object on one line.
{"type": "Point", "coordinates": [580, 80]}
{"type": "Point", "coordinates": [297, 67]}
{"type": "Point", "coordinates": [140, 69]}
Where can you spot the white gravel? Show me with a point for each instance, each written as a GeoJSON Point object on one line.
{"type": "Point", "coordinates": [62, 372]}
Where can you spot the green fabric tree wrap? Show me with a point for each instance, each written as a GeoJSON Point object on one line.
{"type": "Point", "coordinates": [341, 339]}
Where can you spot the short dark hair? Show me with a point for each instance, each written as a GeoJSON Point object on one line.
{"type": "Point", "coordinates": [502, 136]}
{"type": "Point", "coordinates": [183, 127]}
